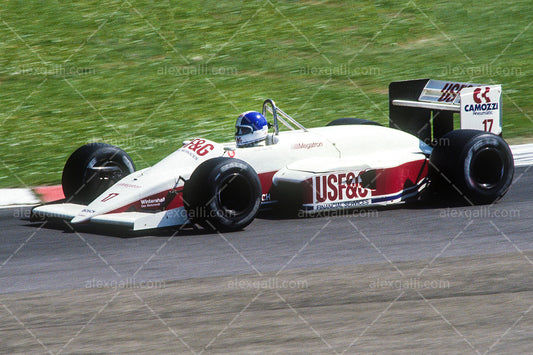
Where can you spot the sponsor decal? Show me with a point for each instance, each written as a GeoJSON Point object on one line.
{"type": "Point", "coordinates": [342, 205]}
{"type": "Point", "coordinates": [450, 91]}
{"type": "Point", "coordinates": [337, 187]}
{"type": "Point", "coordinates": [476, 95]}
{"type": "Point", "coordinates": [482, 109]}
{"type": "Point", "coordinates": [445, 92]}
{"type": "Point", "coordinates": [189, 153]}
{"type": "Point", "coordinates": [199, 146]}
{"type": "Point", "coordinates": [86, 210]}
{"type": "Point", "coordinates": [152, 202]}
{"type": "Point", "coordinates": [307, 145]}
{"type": "Point", "coordinates": [482, 105]}
{"type": "Point", "coordinates": [129, 186]}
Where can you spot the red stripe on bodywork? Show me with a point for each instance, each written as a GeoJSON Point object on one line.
{"type": "Point", "coordinates": [266, 181]}
{"type": "Point", "coordinates": [177, 201]}
{"type": "Point", "coordinates": [388, 181]}
{"type": "Point", "coordinates": [331, 187]}
{"type": "Point", "coordinates": [392, 180]}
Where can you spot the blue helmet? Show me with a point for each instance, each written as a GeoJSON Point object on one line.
{"type": "Point", "coordinates": [251, 127]}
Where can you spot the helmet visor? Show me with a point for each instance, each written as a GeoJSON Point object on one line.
{"type": "Point", "coordinates": [243, 130]}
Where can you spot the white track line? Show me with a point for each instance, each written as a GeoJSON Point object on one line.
{"type": "Point", "coordinates": [522, 154]}
{"type": "Point", "coordinates": [20, 196]}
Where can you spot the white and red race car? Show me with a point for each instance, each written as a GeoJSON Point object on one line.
{"type": "Point", "coordinates": [350, 163]}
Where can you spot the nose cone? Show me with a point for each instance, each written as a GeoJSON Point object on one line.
{"type": "Point", "coordinates": [84, 216]}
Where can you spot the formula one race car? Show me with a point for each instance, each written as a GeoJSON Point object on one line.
{"type": "Point", "coordinates": [350, 163]}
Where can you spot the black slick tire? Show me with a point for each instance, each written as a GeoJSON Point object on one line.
{"type": "Point", "coordinates": [223, 194]}
{"type": "Point", "coordinates": [92, 169]}
{"type": "Point", "coordinates": [472, 165]}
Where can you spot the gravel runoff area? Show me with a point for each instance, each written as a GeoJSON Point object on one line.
{"type": "Point", "coordinates": [473, 304]}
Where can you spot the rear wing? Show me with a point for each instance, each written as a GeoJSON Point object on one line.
{"type": "Point", "coordinates": [426, 108]}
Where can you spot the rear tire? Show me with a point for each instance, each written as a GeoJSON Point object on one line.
{"type": "Point", "coordinates": [222, 194]}
{"type": "Point", "coordinates": [474, 165]}
{"type": "Point", "coordinates": [352, 121]}
{"type": "Point", "coordinates": [92, 169]}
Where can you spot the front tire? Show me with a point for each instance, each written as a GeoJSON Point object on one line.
{"type": "Point", "coordinates": [92, 169]}
{"type": "Point", "coordinates": [222, 194]}
{"type": "Point", "coordinates": [475, 165]}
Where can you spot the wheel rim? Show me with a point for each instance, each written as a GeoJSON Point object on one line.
{"type": "Point", "coordinates": [234, 195]}
{"type": "Point", "coordinates": [488, 168]}
{"type": "Point", "coordinates": [100, 175]}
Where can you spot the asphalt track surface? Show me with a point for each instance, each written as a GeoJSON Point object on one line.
{"type": "Point", "coordinates": [37, 256]}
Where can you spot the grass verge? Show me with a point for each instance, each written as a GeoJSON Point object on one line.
{"type": "Point", "coordinates": [145, 76]}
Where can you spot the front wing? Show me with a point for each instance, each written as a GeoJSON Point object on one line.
{"type": "Point", "coordinates": [132, 220]}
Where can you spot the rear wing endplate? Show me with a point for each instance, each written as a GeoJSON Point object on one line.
{"type": "Point", "coordinates": [425, 107]}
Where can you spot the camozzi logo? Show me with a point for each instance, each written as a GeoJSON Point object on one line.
{"type": "Point", "coordinates": [480, 97]}
{"type": "Point", "coordinates": [482, 109]}
{"type": "Point", "coordinates": [483, 104]}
